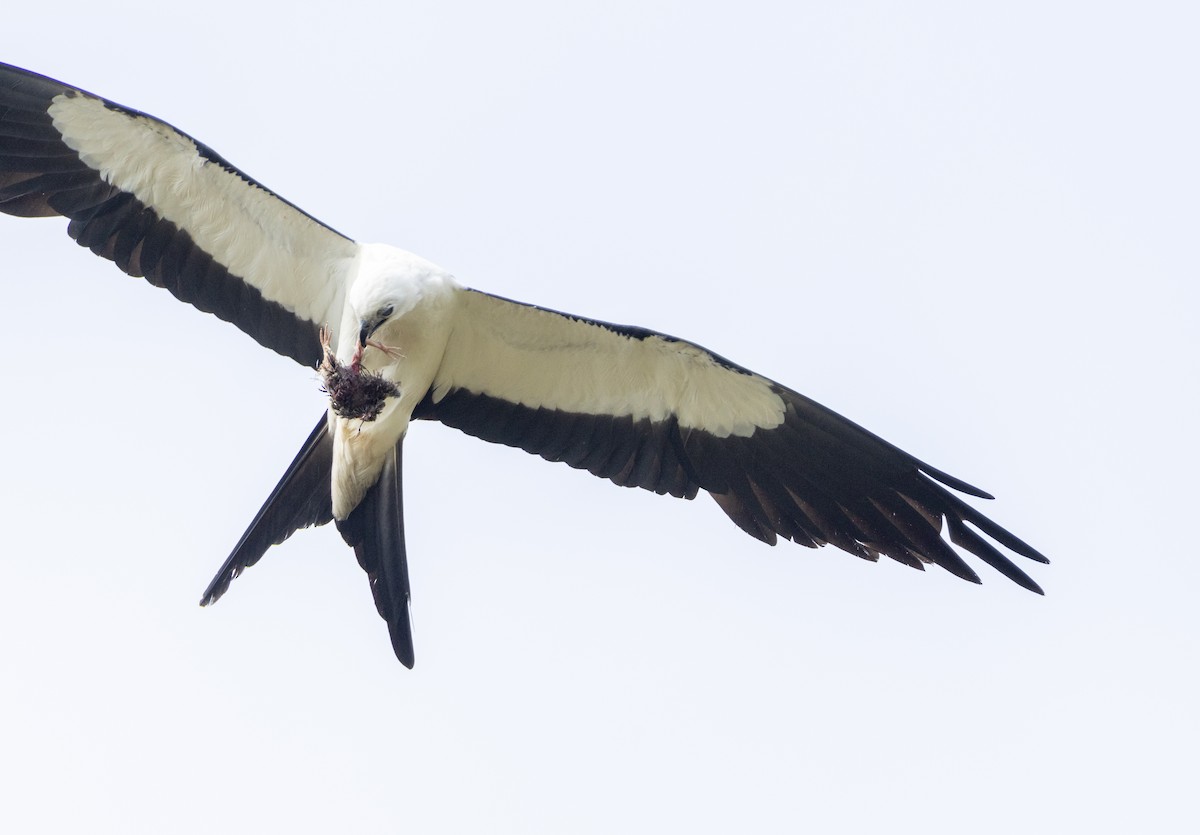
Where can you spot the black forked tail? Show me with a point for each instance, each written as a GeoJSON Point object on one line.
{"type": "Point", "coordinates": [376, 530]}
{"type": "Point", "coordinates": [299, 500]}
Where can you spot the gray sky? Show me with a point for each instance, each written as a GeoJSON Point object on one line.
{"type": "Point", "coordinates": [972, 231]}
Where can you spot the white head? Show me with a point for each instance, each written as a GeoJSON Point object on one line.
{"type": "Point", "coordinates": [391, 283]}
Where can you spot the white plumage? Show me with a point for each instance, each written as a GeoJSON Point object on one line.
{"type": "Point", "coordinates": [640, 408]}
{"type": "Point", "coordinates": [289, 257]}
{"type": "Point", "coordinates": [542, 359]}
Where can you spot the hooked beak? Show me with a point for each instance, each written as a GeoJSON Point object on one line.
{"type": "Point", "coordinates": [366, 327]}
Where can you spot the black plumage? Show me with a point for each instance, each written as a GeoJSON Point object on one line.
{"type": "Point", "coordinates": [811, 476]}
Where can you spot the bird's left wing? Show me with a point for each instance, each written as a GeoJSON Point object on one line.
{"type": "Point", "coordinates": [648, 410]}
{"type": "Point", "coordinates": [164, 206]}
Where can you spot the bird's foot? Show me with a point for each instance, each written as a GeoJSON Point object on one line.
{"type": "Point", "coordinates": [394, 353]}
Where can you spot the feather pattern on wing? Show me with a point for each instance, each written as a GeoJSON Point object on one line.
{"type": "Point", "coordinates": [161, 205]}
{"type": "Point", "coordinates": [640, 408]}
{"type": "Point", "coordinates": [649, 410]}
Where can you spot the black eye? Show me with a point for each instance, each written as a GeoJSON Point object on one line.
{"type": "Point", "coordinates": [385, 311]}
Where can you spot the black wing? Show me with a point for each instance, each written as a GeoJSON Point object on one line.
{"type": "Point", "coordinates": [649, 410]}
{"type": "Point", "coordinates": [161, 205]}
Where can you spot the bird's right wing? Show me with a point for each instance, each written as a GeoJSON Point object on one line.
{"type": "Point", "coordinates": [164, 206]}
{"type": "Point", "coordinates": [645, 409]}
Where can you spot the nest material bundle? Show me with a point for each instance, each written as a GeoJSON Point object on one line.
{"type": "Point", "coordinates": [353, 392]}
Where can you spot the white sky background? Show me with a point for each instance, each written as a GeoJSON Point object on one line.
{"type": "Point", "coordinates": [973, 231]}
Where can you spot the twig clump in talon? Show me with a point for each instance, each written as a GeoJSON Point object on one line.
{"type": "Point", "coordinates": [353, 392]}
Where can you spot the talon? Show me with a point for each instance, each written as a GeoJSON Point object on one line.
{"type": "Point", "coordinates": [394, 353]}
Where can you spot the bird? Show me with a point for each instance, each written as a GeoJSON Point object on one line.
{"type": "Point", "coordinates": [628, 404]}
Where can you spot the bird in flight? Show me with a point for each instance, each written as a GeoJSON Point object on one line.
{"type": "Point", "coordinates": [637, 407]}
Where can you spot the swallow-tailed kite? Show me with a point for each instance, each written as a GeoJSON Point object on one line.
{"type": "Point", "coordinates": [637, 407]}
